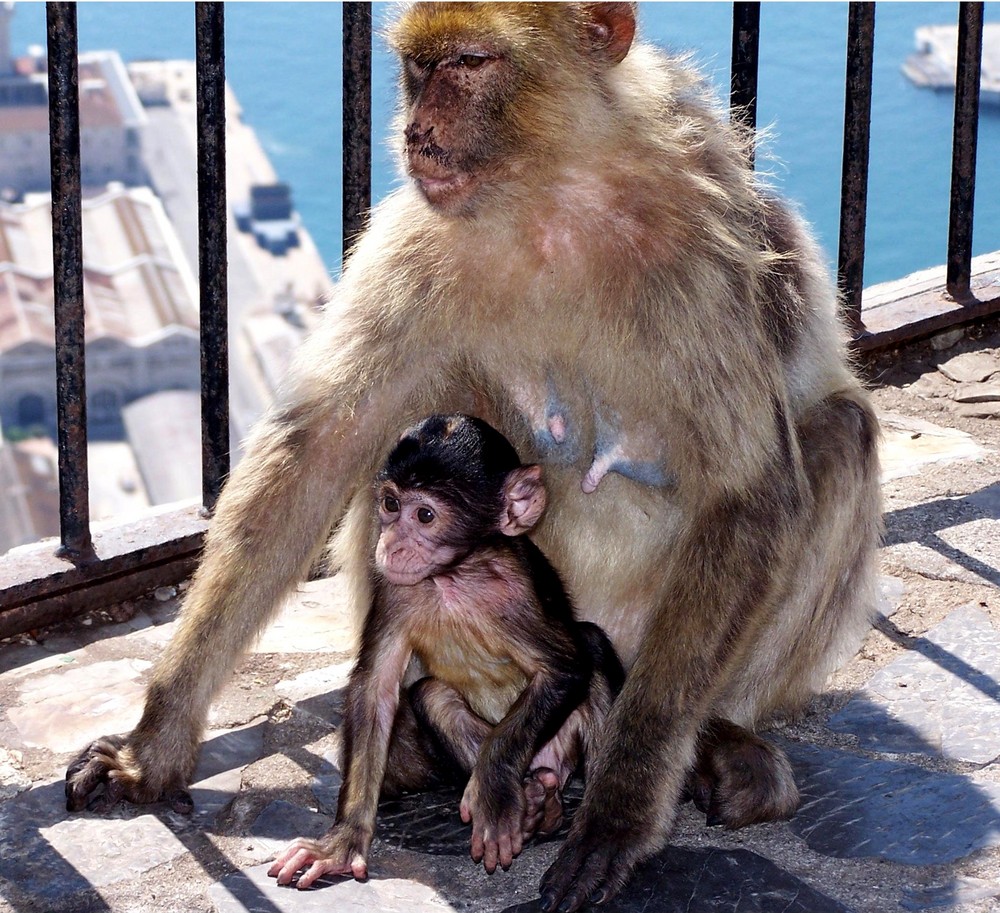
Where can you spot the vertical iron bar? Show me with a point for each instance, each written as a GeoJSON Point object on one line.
{"type": "Point", "coordinates": [357, 113]}
{"type": "Point", "coordinates": [67, 269]}
{"type": "Point", "coordinates": [212, 259]}
{"type": "Point", "coordinates": [965, 140]}
{"type": "Point", "coordinates": [854, 183]}
{"type": "Point", "coordinates": [744, 67]}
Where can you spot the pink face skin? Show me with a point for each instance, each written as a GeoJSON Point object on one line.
{"type": "Point", "coordinates": [409, 549]}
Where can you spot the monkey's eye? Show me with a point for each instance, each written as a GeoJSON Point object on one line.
{"type": "Point", "coordinates": [425, 515]}
{"type": "Point", "coordinates": [390, 504]}
{"type": "Point", "coordinates": [471, 61]}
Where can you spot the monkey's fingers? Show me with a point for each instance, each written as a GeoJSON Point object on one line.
{"type": "Point", "coordinates": [294, 857]}
{"type": "Point", "coordinates": [98, 765]}
{"type": "Point", "coordinates": [358, 867]}
{"type": "Point", "coordinates": [508, 846]}
{"type": "Point", "coordinates": [491, 853]}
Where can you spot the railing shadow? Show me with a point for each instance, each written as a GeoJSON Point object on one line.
{"type": "Point", "coordinates": [853, 806]}
{"type": "Point", "coordinates": [922, 523]}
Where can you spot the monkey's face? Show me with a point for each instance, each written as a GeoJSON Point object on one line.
{"type": "Point", "coordinates": [493, 92]}
{"type": "Point", "coordinates": [488, 91]}
{"type": "Point", "coordinates": [456, 136]}
{"type": "Point", "coordinates": [413, 544]}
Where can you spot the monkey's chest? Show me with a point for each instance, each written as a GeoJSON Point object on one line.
{"type": "Point", "coordinates": [489, 680]}
{"type": "Point", "coordinates": [578, 427]}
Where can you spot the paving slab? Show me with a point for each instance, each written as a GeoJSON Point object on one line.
{"type": "Point", "coordinates": [65, 709]}
{"type": "Point", "coordinates": [951, 893]}
{"type": "Point", "coordinates": [856, 807]}
{"type": "Point", "coordinates": [941, 698]}
{"type": "Point", "coordinates": [909, 444]}
{"type": "Point", "coordinates": [969, 367]}
{"type": "Point", "coordinates": [52, 855]}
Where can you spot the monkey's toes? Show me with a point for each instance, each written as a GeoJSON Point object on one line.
{"type": "Point", "coordinates": [543, 802]}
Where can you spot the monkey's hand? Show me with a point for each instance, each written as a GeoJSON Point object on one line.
{"type": "Point", "coordinates": [343, 851]}
{"type": "Point", "coordinates": [593, 865]}
{"type": "Point", "coordinates": [113, 763]}
{"type": "Point", "coordinates": [497, 815]}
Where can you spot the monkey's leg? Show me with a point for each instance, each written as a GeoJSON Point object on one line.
{"type": "Point", "coordinates": [444, 715]}
{"type": "Point", "coordinates": [576, 740]}
{"type": "Point", "coordinates": [430, 739]}
{"type": "Point", "coordinates": [740, 779]}
{"type": "Point", "coordinates": [719, 590]}
{"type": "Point", "coordinates": [449, 738]}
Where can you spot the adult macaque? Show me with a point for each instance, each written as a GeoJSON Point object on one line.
{"type": "Point", "coordinates": [584, 259]}
{"type": "Point", "coordinates": [516, 690]}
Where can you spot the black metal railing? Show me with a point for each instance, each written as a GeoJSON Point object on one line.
{"type": "Point", "coordinates": [210, 88]}
{"type": "Point", "coordinates": [854, 177]}
{"type": "Point", "coordinates": [40, 587]}
{"type": "Point", "coordinates": [963, 169]}
{"type": "Point", "coordinates": [67, 272]}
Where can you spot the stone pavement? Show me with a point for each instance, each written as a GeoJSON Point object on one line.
{"type": "Point", "coordinates": [897, 760]}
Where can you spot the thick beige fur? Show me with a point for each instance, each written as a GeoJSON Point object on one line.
{"type": "Point", "coordinates": [625, 253]}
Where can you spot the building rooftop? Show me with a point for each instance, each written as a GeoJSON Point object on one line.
{"type": "Point", "coordinates": [107, 97]}
{"type": "Point", "coordinates": [136, 281]}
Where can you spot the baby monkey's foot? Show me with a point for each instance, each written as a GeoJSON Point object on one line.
{"type": "Point", "coordinates": [543, 798]}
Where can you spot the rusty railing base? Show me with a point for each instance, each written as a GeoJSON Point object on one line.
{"type": "Point", "coordinates": [919, 305]}
{"type": "Point", "coordinates": [38, 588]}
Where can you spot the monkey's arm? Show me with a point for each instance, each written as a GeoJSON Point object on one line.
{"type": "Point", "coordinates": [494, 798]}
{"type": "Point", "coordinates": [354, 383]}
{"type": "Point", "coordinates": [720, 593]}
{"type": "Point", "coordinates": [372, 702]}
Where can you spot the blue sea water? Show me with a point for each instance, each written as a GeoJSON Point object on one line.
{"type": "Point", "coordinates": [283, 62]}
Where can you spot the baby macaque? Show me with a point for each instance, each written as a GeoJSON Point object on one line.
{"type": "Point", "coordinates": [514, 690]}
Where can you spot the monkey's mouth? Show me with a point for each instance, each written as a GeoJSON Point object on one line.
{"type": "Point", "coordinates": [441, 188]}
{"type": "Point", "coordinates": [404, 578]}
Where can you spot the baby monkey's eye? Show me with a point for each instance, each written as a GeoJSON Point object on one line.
{"type": "Point", "coordinates": [424, 515]}
{"type": "Point", "coordinates": [390, 504]}
{"type": "Point", "coordinates": [471, 61]}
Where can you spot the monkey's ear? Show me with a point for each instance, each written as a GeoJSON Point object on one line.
{"type": "Point", "coordinates": [523, 500]}
{"type": "Point", "coordinates": [610, 29]}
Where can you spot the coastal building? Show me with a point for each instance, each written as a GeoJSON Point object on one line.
{"type": "Point", "coordinates": [29, 507]}
{"type": "Point", "coordinates": [111, 120]}
{"type": "Point", "coordinates": [168, 456]}
{"type": "Point", "coordinates": [142, 320]}
{"type": "Point", "coordinates": [29, 487]}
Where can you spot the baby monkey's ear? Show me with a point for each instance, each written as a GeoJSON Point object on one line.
{"type": "Point", "coordinates": [524, 500]}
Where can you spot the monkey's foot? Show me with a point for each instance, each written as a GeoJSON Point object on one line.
{"type": "Point", "coordinates": [105, 772]}
{"type": "Point", "coordinates": [740, 779]}
{"type": "Point", "coordinates": [593, 865]}
{"type": "Point", "coordinates": [543, 797]}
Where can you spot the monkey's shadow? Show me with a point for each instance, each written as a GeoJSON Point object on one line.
{"type": "Point", "coordinates": [853, 807]}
